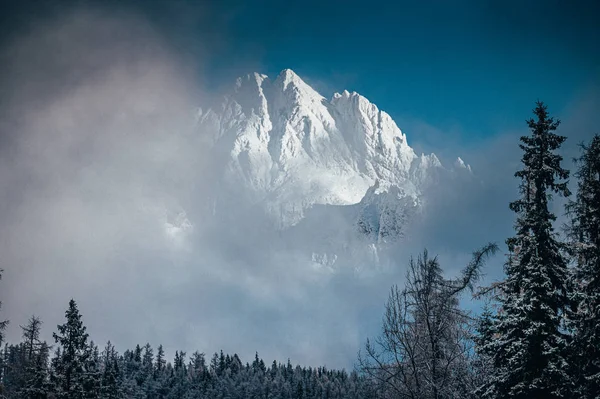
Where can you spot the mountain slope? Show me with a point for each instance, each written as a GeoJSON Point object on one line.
{"type": "Point", "coordinates": [288, 149]}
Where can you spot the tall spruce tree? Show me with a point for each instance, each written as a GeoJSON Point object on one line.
{"type": "Point", "coordinates": [159, 368]}
{"type": "Point", "coordinates": [528, 352]}
{"type": "Point", "coordinates": [584, 232]}
{"type": "Point", "coordinates": [70, 362]}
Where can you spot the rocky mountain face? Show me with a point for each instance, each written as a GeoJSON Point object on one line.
{"type": "Point", "coordinates": [303, 159]}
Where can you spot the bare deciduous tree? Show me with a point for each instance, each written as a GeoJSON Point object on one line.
{"type": "Point", "coordinates": [426, 346]}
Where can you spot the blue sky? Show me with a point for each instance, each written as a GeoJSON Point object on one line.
{"type": "Point", "coordinates": [467, 66]}
{"type": "Point", "coordinates": [474, 65]}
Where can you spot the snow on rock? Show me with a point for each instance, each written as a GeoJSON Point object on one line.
{"type": "Point", "coordinates": [384, 214]}
{"type": "Point", "coordinates": [291, 149]}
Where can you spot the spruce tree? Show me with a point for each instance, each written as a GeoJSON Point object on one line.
{"type": "Point", "coordinates": [3, 323]}
{"type": "Point", "coordinates": [584, 232]}
{"type": "Point", "coordinates": [69, 365]}
{"type": "Point", "coordinates": [197, 371]}
{"type": "Point", "coordinates": [178, 379]}
{"type": "Point", "coordinates": [112, 377]}
{"type": "Point", "coordinates": [160, 363]}
{"type": "Point", "coordinates": [92, 379]}
{"type": "Point", "coordinates": [528, 352]}
{"type": "Point", "coordinates": [14, 377]}
{"type": "Point", "coordinates": [35, 359]}
{"type": "Point", "coordinates": [160, 372]}
{"type": "Point", "coordinates": [147, 371]}
{"type": "Point", "coordinates": [133, 373]}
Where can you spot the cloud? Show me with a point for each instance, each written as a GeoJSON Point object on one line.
{"type": "Point", "coordinates": [97, 150]}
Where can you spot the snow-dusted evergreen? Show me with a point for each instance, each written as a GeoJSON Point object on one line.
{"type": "Point", "coordinates": [111, 384]}
{"type": "Point", "coordinates": [34, 357]}
{"type": "Point", "coordinates": [70, 372]}
{"type": "Point", "coordinates": [585, 239]}
{"type": "Point", "coordinates": [3, 323]}
{"type": "Point", "coordinates": [527, 341]}
{"type": "Point", "coordinates": [80, 371]}
{"type": "Point", "coordinates": [290, 148]}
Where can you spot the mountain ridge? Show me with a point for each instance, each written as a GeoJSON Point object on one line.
{"type": "Point", "coordinates": [290, 148]}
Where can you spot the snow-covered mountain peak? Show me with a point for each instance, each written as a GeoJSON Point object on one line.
{"type": "Point", "coordinates": [287, 77]}
{"type": "Point", "coordinates": [290, 89]}
{"type": "Point", "coordinates": [291, 148]}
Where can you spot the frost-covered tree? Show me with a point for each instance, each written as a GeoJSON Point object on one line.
{"type": "Point", "coordinates": [584, 231]}
{"type": "Point", "coordinates": [92, 379]}
{"type": "Point", "coordinates": [35, 361]}
{"type": "Point", "coordinates": [178, 380]}
{"type": "Point", "coordinates": [159, 367]}
{"type": "Point", "coordinates": [146, 373]}
{"type": "Point", "coordinates": [26, 364]}
{"type": "Point", "coordinates": [69, 364]}
{"type": "Point", "coordinates": [3, 323]}
{"type": "Point", "coordinates": [132, 372]}
{"type": "Point", "coordinates": [112, 377]}
{"type": "Point", "coordinates": [198, 372]}
{"type": "Point", "coordinates": [31, 336]}
{"type": "Point", "coordinates": [528, 349]}
{"type": "Point", "coordinates": [483, 362]}
{"type": "Point", "coordinates": [161, 373]}
{"type": "Point", "coordinates": [425, 347]}
{"type": "Point", "coordinates": [13, 374]}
